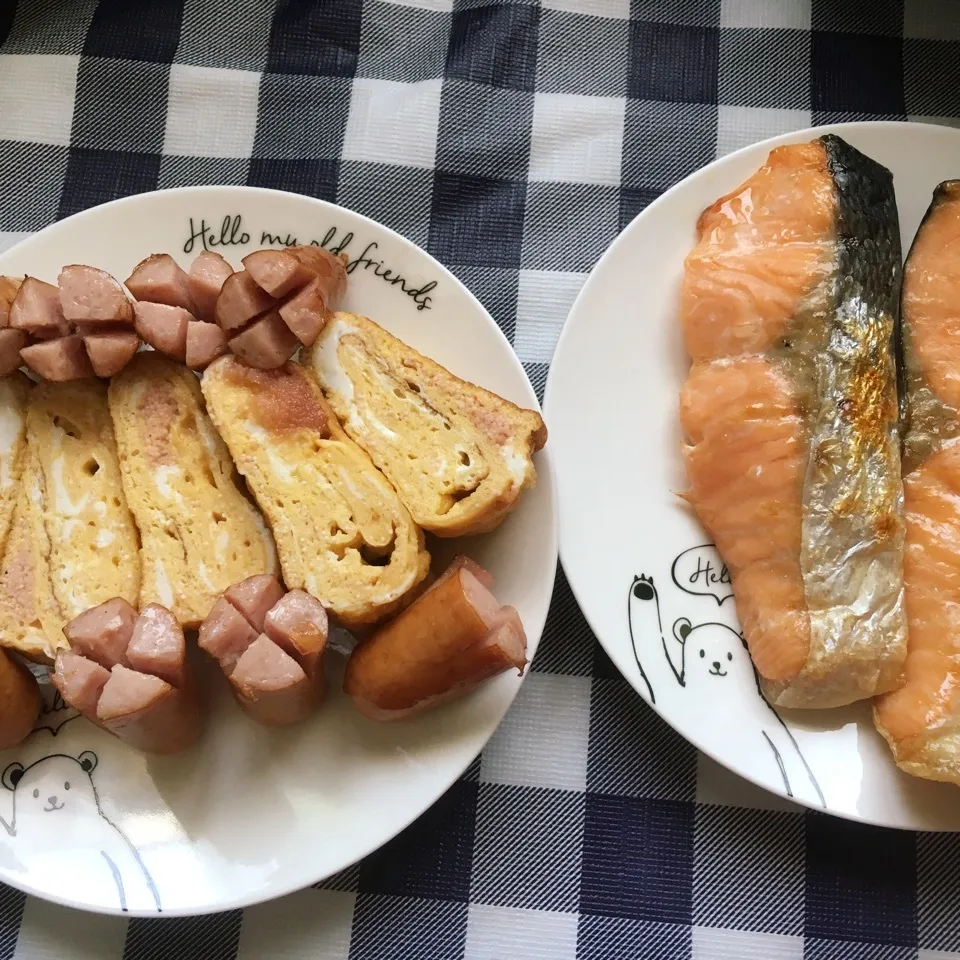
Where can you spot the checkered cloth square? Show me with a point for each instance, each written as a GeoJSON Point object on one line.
{"type": "Point", "coordinates": [513, 141]}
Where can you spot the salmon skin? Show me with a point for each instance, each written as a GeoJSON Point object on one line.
{"type": "Point", "coordinates": [789, 308]}
{"type": "Point", "coordinates": [921, 721]}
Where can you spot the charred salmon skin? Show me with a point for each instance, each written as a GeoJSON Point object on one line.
{"type": "Point", "coordinates": [921, 720]}
{"type": "Point", "coordinates": [789, 308]}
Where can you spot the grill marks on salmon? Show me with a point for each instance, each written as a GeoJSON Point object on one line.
{"type": "Point", "coordinates": [788, 309]}
{"type": "Point", "coordinates": [921, 720]}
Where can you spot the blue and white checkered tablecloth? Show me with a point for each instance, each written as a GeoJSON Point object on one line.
{"type": "Point", "coordinates": [513, 140]}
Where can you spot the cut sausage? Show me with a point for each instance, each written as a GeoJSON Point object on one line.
{"type": "Point", "coordinates": [147, 712]}
{"type": "Point", "coordinates": [103, 632]}
{"type": "Point", "coordinates": [80, 682]}
{"type": "Point", "coordinates": [306, 313]}
{"type": "Point", "coordinates": [266, 344]}
{"type": "Point", "coordinates": [36, 309]}
{"type": "Point", "coordinates": [58, 360]}
{"type": "Point", "coordinates": [298, 625]}
{"type": "Point", "coordinates": [208, 272]}
{"type": "Point", "coordinates": [451, 639]}
{"type": "Point", "coordinates": [11, 343]}
{"type": "Point", "coordinates": [462, 562]}
{"type": "Point", "coordinates": [279, 272]}
{"type": "Point", "coordinates": [205, 342]}
{"type": "Point", "coordinates": [158, 647]}
{"type": "Point", "coordinates": [19, 701]}
{"type": "Point", "coordinates": [160, 279]}
{"type": "Point", "coordinates": [109, 353]}
{"type": "Point", "coordinates": [164, 327]}
{"type": "Point", "coordinates": [8, 293]}
{"type": "Point", "coordinates": [92, 296]}
{"type": "Point", "coordinates": [240, 300]}
{"type": "Point", "coordinates": [225, 634]}
{"type": "Point", "coordinates": [271, 686]}
{"type": "Point", "coordinates": [254, 596]}
{"type": "Point", "coordinates": [329, 269]}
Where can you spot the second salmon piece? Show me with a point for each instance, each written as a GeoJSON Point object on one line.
{"type": "Point", "coordinates": [921, 721]}
{"type": "Point", "coordinates": [790, 314]}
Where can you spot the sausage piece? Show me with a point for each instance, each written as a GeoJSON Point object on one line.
{"type": "Point", "coordinates": [205, 342]}
{"type": "Point", "coordinates": [103, 632]}
{"type": "Point", "coordinates": [90, 295]}
{"type": "Point", "coordinates": [266, 344]}
{"type": "Point", "coordinates": [36, 310]}
{"type": "Point", "coordinates": [271, 686]}
{"type": "Point", "coordinates": [147, 712]}
{"type": "Point", "coordinates": [109, 353]}
{"type": "Point", "coordinates": [160, 279]}
{"type": "Point", "coordinates": [80, 682]}
{"type": "Point", "coordinates": [240, 300]}
{"type": "Point", "coordinates": [254, 596]}
{"type": "Point", "coordinates": [328, 269]}
{"type": "Point", "coordinates": [279, 272]}
{"type": "Point", "coordinates": [158, 646]}
{"type": "Point", "coordinates": [208, 272]}
{"type": "Point", "coordinates": [225, 634]}
{"type": "Point", "coordinates": [298, 624]}
{"type": "Point", "coordinates": [58, 360]}
{"type": "Point", "coordinates": [8, 293]}
{"type": "Point", "coordinates": [447, 642]}
{"type": "Point", "coordinates": [11, 343]}
{"type": "Point", "coordinates": [164, 327]}
{"type": "Point", "coordinates": [306, 313]}
{"type": "Point", "coordinates": [19, 701]}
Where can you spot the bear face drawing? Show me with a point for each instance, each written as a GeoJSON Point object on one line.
{"type": "Point", "coordinates": [63, 839]}
{"type": "Point", "coordinates": [51, 794]}
{"type": "Point", "coordinates": [712, 652]}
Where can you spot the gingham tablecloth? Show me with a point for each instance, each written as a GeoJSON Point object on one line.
{"type": "Point", "coordinates": [513, 141]}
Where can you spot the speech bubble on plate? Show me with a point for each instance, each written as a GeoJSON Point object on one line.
{"type": "Point", "coordinates": [701, 572]}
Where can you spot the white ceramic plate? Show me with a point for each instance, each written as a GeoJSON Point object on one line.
{"type": "Point", "coordinates": [253, 813]}
{"type": "Point", "coordinates": [612, 399]}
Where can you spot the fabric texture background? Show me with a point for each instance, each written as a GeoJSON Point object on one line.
{"type": "Point", "coordinates": [513, 141]}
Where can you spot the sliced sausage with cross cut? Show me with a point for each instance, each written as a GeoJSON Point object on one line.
{"type": "Point", "coordinates": [282, 299]}
{"type": "Point", "coordinates": [205, 342]}
{"type": "Point", "coordinates": [269, 644]}
{"type": "Point", "coordinates": [164, 327]}
{"type": "Point", "coordinates": [91, 296]}
{"type": "Point", "coordinates": [205, 280]}
{"type": "Point", "coordinates": [129, 674]}
{"type": "Point", "coordinates": [160, 279]}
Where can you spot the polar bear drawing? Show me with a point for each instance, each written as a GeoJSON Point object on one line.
{"type": "Point", "coordinates": [63, 839]}
{"type": "Point", "coordinates": [697, 657]}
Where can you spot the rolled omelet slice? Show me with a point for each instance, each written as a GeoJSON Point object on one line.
{"type": "Point", "coordinates": [72, 543]}
{"type": "Point", "coordinates": [31, 621]}
{"type": "Point", "coordinates": [458, 455]}
{"type": "Point", "coordinates": [93, 543]}
{"type": "Point", "coordinates": [14, 392]}
{"type": "Point", "coordinates": [199, 534]}
{"type": "Point", "coordinates": [342, 533]}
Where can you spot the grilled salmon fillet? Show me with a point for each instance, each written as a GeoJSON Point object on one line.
{"type": "Point", "coordinates": [921, 721]}
{"type": "Point", "coordinates": [789, 310]}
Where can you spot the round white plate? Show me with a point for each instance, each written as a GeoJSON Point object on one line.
{"type": "Point", "coordinates": [612, 409]}
{"type": "Point", "coordinates": [253, 813]}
